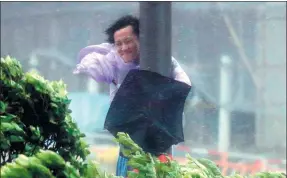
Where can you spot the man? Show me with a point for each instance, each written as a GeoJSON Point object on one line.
{"type": "Point", "coordinates": [110, 62]}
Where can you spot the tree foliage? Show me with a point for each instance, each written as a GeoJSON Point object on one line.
{"type": "Point", "coordinates": [35, 115]}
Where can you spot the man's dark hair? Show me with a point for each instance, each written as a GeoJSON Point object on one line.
{"type": "Point", "coordinates": [122, 23]}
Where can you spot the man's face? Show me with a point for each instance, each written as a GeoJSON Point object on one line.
{"type": "Point", "coordinates": [127, 44]}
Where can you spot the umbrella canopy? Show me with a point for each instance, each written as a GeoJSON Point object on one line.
{"type": "Point", "coordinates": [149, 107]}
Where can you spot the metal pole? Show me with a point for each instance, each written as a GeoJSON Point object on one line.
{"type": "Point", "coordinates": [155, 38]}
{"type": "Point", "coordinates": [224, 113]}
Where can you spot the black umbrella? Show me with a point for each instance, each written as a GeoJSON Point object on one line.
{"type": "Point", "coordinates": [149, 107]}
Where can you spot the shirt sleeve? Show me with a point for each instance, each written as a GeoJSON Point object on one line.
{"type": "Point", "coordinates": [103, 49]}
{"type": "Point", "coordinates": [178, 73]}
{"type": "Point", "coordinates": [97, 62]}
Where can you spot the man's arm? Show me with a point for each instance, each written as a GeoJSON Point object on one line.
{"type": "Point", "coordinates": [178, 73]}
{"type": "Point", "coordinates": [98, 62]}
{"type": "Point", "coordinates": [103, 49]}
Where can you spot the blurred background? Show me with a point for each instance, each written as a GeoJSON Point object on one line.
{"type": "Point", "coordinates": [233, 52]}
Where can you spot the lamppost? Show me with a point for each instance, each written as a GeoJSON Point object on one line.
{"type": "Point", "coordinates": [155, 38]}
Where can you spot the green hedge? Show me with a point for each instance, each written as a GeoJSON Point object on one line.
{"type": "Point", "coordinates": [35, 115]}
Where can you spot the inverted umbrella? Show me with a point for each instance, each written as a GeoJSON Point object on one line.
{"type": "Point", "coordinates": [149, 107]}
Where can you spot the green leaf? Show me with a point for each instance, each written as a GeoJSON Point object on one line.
{"type": "Point", "coordinates": [14, 138]}
{"type": "Point", "coordinates": [5, 144]}
{"type": "Point", "coordinates": [28, 148]}
{"type": "Point", "coordinates": [3, 107]}
{"type": "Point", "coordinates": [7, 118]}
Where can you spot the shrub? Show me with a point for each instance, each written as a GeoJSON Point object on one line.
{"type": "Point", "coordinates": [35, 115]}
